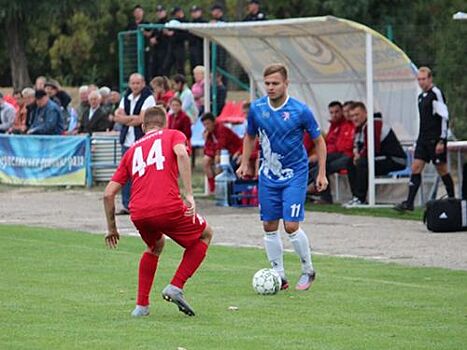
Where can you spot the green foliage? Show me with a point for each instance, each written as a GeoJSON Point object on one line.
{"type": "Point", "coordinates": [65, 290]}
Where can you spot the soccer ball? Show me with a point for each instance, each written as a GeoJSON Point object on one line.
{"type": "Point", "coordinates": [266, 282]}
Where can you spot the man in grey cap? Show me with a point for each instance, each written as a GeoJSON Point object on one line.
{"type": "Point", "coordinates": [7, 115]}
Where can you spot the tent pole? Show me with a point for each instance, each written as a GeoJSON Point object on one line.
{"type": "Point", "coordinates": [207, 75]}
{"type": "Point", "coordinates": [252, 88]}
{"type": "Point", "coordinates": [370, 122]}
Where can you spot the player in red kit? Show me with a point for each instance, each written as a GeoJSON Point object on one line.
{"type": "Point", "coordinates": [153, 164]}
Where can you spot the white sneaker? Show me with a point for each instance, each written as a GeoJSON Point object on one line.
{"type": "Point", "coordinates": [354, 203]}
{"type": "Point", "coordinates": [140, 311]}
{"type": "Point", "coordinates": [351, 202]}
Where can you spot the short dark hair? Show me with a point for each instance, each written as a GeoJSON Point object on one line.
{"type": "Point", "coordinates": [138, 7]}
{"type": "Point", "coordinates": [176, 99]}
{"type": "Point", "coordinates": [358, 104]}
{"type": "Point", "coordinates": [334, 104]}
{"type": "Point", "coordinates": [347, 103]}
{"type": "Point", "coordinates": [276, 68]}
{"type": "Point", "coordinates": [208, 116]}
{"type": "Point", "coordinates": [155, 116]}
{"type": "Point", "coordinates": [179, 78]}
{"type": "Point", "coordinates": [40, 93]}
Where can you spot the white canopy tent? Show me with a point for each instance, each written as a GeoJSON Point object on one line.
{"type": "Point", "coordinates": [328, 59]}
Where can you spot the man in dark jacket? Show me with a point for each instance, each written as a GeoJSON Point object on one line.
{"type": "Point", "coordinates": [47, 117]}
{"type": "Point", "coordinates": [389, 155]}
{"type": "Point", "coordinates": [196, 43]}
{"type": "Point", "coordinates": [95, 117]}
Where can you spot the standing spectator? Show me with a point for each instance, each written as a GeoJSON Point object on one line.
{"type": "Point", "coordinates": [432, 138]}
{"type": "Point", "coordinates": [159, 42]}
{"type": "Point", "coordinates": [183, 92]}
{"type": "Point", "coordinates": [217, 16]}
{"type": "Point", "coordinates": [162, 92]}
{"type": "Point", "coordinates": [254, 12]}
{"type": "Point", "coordinates": [96, 117]}
{"type": "Point", "coordinates": [339, 146]}
{"type": "Point", "coordinates": [40, 83]}
{"type": "Point", "coordinates": [138, 18]}
{"type": "Point", "coordinates": [196, 42]}
{"type": "Point", "coordinates": [178, 120]}
{"type": "Point", "coordinates": [48, 118]}
{"type": "Point", "coordinates": [216, 137]}
{"type": "Point", "coordinates": [389, 155]}
{"type": "Point", "coordinates": [221, 94]}
{"type": "Point", "coordinates": [198, 88]}
{"type": "Point", "coordinates": [157, 209]}
{"type": "Point", "coordinates": [176, 50]}
{"type": "Point", "coordinates": [7, 115]}
{"type": "Point", "coordinates": [130, 114]}
{"type": "Point", "coordinates": [83, 101]}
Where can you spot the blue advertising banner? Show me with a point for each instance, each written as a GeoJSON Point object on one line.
{"type": "Point", "coordinates": [43, 160]}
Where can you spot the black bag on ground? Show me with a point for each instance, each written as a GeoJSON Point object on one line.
{"type": "Point", "coordinates": [446, 215]}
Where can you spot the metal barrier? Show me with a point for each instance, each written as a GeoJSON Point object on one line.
{"type": "Point", "coordinates": [105, 156]}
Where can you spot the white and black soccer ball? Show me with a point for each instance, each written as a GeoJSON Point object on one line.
{"type": "Point", "coordinates": [266, 282]}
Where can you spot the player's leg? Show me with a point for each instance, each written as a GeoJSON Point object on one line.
{"type": "Point", "coordinates": [422, 155]}
{"type": "Point", "coordinates": [195, 238]}
{"type": "Point", "coordinates": [440, 161]}
{"type": "Point", "coordinates": [293, 213]}
{"type": "Point", "coordinates": [147, 267]}
{"type": "Point", "coordinates": [271, 212]}
{"type": "Point", "coordinates": [208, 165]}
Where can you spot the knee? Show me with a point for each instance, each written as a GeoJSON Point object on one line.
{"type": "Point", "coordinates": [442, 169]}
{"type": "Point", "coordinates": [207, 234]}
{"type": "Point", "coordinates": [270, 226]}
{"type": "Point", "coordinates": [157, 248]}
{"type": "Point", "coordinates": [291, 227]}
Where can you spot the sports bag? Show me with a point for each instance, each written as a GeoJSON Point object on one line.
{"type": "Point", "coordinates": [446, 215]}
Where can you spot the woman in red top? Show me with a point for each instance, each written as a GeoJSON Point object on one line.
{"type": "Point", "coordinates": [162, 93]}
{"type": "Point", "coordinates": [178, 120]}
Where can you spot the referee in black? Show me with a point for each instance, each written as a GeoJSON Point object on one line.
{"type": "Point", "coordinates": [432, 138]}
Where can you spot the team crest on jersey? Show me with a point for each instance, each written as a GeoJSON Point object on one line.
{"type": "Point", "coordinates": [285, 116]}
{"type": "Point", "coordinates": [266, 114]}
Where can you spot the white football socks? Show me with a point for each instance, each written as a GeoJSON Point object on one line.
{"type": "Point", "coordinates": [274, 251]}
{"type": "Point", "coordinates": [301, 246]}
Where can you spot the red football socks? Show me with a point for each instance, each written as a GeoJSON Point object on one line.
{"type": "Point", "coordinates": [147, 271]}
{"type": "Point", "coordinates": [211, 184]}
{"type": "Point", "coordinates": [192, 259]}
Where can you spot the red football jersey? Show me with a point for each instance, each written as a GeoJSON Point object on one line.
{"type": "Point", "coordinates": [151, 165]}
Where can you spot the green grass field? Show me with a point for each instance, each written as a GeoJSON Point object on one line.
{"type": "Point", "coordinates": [65, 290]}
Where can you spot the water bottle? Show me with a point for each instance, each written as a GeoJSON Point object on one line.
{"type": "Point", "coordinates": [224, 180]}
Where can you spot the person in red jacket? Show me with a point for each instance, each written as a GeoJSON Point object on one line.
{"type": "Point", "coordinates": [339, 145]}
{"type": "Point", "coordinates": [217, 136]}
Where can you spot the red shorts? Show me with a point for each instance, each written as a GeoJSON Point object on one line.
{"type": "Point", "coordinates": [175, 225]}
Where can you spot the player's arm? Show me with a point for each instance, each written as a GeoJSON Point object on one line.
{"type": "Point", "coordinates": [112, 236]}
{"type": "Point", "coordinates": [248, 147]}
{"type": "Point", "coordinates": [321, 180]}
{"type": "Point", "coordinates": [184, 167]}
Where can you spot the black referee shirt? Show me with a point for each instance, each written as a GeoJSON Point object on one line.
{"type": "Point", "coordinates": [433, 115]}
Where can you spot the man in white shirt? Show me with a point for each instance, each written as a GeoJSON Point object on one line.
{"type": "Point", "coordinates": [130, 114]}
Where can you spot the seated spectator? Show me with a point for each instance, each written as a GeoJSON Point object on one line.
{"type": "Point", "coordinates": [177, 118]}
{"type": "Point", "coordinates": [389, 155]}
{"type": "Point", "coordinates": [56, 94]}
{"type": "Point", "coordinates": [162, 92]}
{"type": "Point", "coordinates": [104, 91]}
{"type": "Point", "coordinates": [96, 117]}
{"type": "Point", "coordinates": [339, 145]}
{"type": "Point", "coordinates": [217, 137]}
{"type": "Point", "coordinates": [7, 115]}
{"type": "Point", "coordinates": [73, 124]}
{"type": "Point", "coordinates": [20, 124]}
{"type": "Point", "coordinates": [198, 88]}
{"type": "Point", "coordinates": [114, 102]}
{"type": "Point", "coordinates": [183, 92]}
{"type": "Point", "coordinates": [47, 119]}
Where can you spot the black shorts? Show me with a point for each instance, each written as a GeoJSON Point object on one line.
{"type": "Point", "coordinates": [425, 150]}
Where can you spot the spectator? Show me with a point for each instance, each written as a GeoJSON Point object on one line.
{"type": "Point", "coordinates": [184, 93]}
{"type": "Point", "coordinates": [217, 13]}
{"type": "Point", "coordinates": [196, 43]}
{"type": "Point", "coordinates": [254, 12]}
{"type": "Point", "coordinates": [40, 83]}
{"type": "Point", "coordinates": [176, 51]}
{"type": "Point", "coordinates": [104, 91]}
{"type": "Point", "coordinates": [177, 119]}
{"type": "Point", "coordinates": [198, 88]}
{"type": "Point", "coordinates": [389, 155]}
{"type": "Point", "coordinates": [159, 43]}
{"type": "Point", "coordinates": [20, 124]}
{"type": "Point", "coordinates": [96, 117]}
{"type": "Point", "coordinates": [83, 101]}
{"type": "Point", "coordinates": [47, 119]}
{"type": "Point", "coordinates": [7, 115]}
{"type": "Point", "coordinates": [217, 16]}
{"type": "Point", "coordinates": [216, 137]}
{"type": "Point", "coordinates": [162, 92]}
{"type": "Point", "coordinates": [114, 102]}
{"type": "Point", "coordinates": [130, 113]}
{"type": "Point", "coordinates": [56, 94]}
{"type": "Point", "coordinates": [339, 145]}
{"type": "Point", "coordinates": [221, 94]}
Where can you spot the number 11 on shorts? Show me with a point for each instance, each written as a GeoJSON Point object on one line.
{"type": "Point", "coordinates": [295, 210]}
